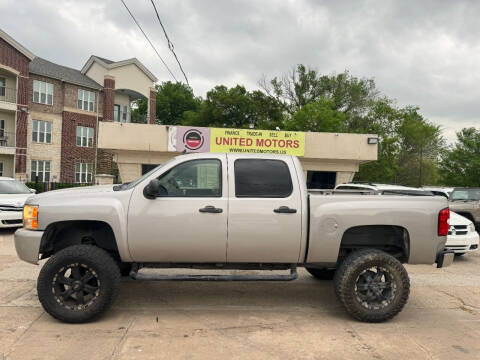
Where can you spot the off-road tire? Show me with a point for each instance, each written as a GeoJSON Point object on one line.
{"type": "Point", "coordinates": [321, 274]}
{"type": "Point", "coordinates": [346, 280]}
{"type": "Point", "coordinates": [125, 268]}
{"type": "Point", "coordinates": [96, 261]}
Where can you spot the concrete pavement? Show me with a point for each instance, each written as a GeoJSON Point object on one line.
{"type": "Point", "coordinates": [295, 320]}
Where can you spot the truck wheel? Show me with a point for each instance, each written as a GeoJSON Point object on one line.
{"type": "Point", "coordinates": [372, 285]}
{"type": "Point", "coordinates": [321, 274]}
{"type": "Point", "coordinates": [78, 283]}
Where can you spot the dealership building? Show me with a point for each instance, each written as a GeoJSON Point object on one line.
{"type": "Point", "coordinates": [327, 158]}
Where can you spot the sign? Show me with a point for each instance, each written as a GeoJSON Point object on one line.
{"type": "Point", "coordinates": [184, 138]}
{"type": "Point", "coordinates": [190, 139]}
{"type": "Point", "coordinates": [257, 141]}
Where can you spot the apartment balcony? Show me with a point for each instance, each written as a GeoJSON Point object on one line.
{"type": "Point", "coordinates": [8, 98]}
{"type": "Point", "coordinates": [7, 142]}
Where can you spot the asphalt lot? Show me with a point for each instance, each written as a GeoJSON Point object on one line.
{"type": "Point", "coordinates": [300, 319]}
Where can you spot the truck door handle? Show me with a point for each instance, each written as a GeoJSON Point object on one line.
{"type": "Point", "coordinates": [210, 209]}
{"type": "Point", "coordinates": [285, 210]}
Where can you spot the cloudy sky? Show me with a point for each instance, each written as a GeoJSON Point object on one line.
{"type": "Point", "coordinates": [424, 53]}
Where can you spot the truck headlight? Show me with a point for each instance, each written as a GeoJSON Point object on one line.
{"type": "Point", "coordinates": [30, 217]}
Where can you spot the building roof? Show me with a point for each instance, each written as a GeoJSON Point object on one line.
{"type": "Point", "coordinates": [16, 44]}
{"type": "Point", "coordinates": [47, 68]}
{"type": "Point", "coordinates": [109, 64]}
{"type": "Point", "coordinates": [106, 61]}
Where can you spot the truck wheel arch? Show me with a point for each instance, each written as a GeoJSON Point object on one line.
{"type": "Point", "coordinates": [62, 234]}
{"type": "Point", "coordinates": [392, 239]}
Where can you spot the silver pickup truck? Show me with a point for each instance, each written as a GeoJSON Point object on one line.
{"type": "Point", "coordinates": [228, 211]}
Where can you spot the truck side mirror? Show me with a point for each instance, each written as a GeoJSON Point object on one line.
{"type": "Point", "coordinates": [151, 191]}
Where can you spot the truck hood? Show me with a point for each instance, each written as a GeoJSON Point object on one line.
{"type": "Point", "coordinates": [16, 200]}
{"type": "Point", "coordinates": [456, 219]}
{"type": "Point", "coordinates": [71, 192]}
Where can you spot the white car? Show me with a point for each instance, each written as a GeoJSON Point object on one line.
{"type": "Point", "coordinates": [439, 190]}
{"type": "Point", "coordinates": [462, 237]}
{"type": "Point", "coordinates": [381, 189]}
{"type": "Point", "coordinates": [13, 195]}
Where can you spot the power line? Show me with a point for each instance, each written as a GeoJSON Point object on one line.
{"type": "Point", "coordinates": [146, 37]}
{"type": "Point", "coordinates": [170, 44]}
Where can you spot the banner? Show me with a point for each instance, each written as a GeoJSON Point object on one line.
{"type": "Point", "coordinates": [257, 141]}
{"type": "Point", "coordinates": [199, 139]}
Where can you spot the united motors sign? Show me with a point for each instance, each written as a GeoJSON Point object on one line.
{"type": "Point", "coordinates": [199, 139]}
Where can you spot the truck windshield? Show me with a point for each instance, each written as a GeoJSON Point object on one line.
{"type": "Point", "coordinates": [465, 194]}
{"type": "Point", "coordinates": [131, 185]}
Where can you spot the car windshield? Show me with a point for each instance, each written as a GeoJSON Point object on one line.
{"type": "Point", "coordinates": [13, 187]}
{"type": "Point", "coordinates": [131, 185]}
{"type": "Point", "coordinates": [465, 194]}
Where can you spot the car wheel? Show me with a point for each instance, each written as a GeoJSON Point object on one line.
{"type": "Point", "coordinates": [78, 283]}
{"type": "Point", "coordinates": [321, 274]}
{"type": "Point", "coordinates": [372, 285]}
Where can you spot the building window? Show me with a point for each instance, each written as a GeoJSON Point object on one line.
{"type": "Point", "coordinates": [84, 136]}
{"type": "Point", "coordinates": [1, 168]}
{"type": "Point", "coordinates": [83, 172]}
{"type": "Point", "coordinates": [2, 86]}
{"type": "Point", "coordinates": [116, 112]}
{"type": "Point", "coordinates": [124, 113]}
{"type": "Point", "coordinates": [42, 131]}
{"type": "Point", "coordinates": [2, 128]}
{"type": "Point", "coordinates": [42, 92]}
{"type": "Point", "coordinates": [86, 100]}
{"type": "Point", "coordinates": [41, 169]}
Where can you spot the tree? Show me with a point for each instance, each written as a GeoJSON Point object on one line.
{"type": "Point", "coordinates": [303, 85]}
{"type": "Point", "coordinates": [460, 163]}
{"type": "Point", "coordinates": [420, 144]}
{"type": "Point", "coordinates": [317, 116]}
{"type": "Point", "coordinates": [236, 108]}
{"type": "Point", "coordinates": [172, 101]}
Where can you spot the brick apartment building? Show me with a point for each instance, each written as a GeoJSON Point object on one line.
{"type": "Point", "coordinates": [49, 113]}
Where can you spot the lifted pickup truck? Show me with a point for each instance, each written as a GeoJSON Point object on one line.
{"type": "Point", "coordinates": [228, 211]}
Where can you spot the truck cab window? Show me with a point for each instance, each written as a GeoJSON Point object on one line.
{"type": "Point", "coordinates": [196, 178]}
{"type": "Point", "coordinates": [262, 178]}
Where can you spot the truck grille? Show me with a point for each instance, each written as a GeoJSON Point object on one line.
{"type": "Point", "coordinates": [12, 222]}
{"type": "Point", "coordinates": [10, 208]}
{"type": "Point", "coordinates": [459, 230]}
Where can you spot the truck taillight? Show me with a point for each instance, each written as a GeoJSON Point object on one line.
{"type": "Point", "coordinates": [443, 226]}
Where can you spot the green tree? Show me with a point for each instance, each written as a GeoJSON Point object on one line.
{"type": "Point", "coordinates": [319, 116]}
{"type": "Point", "coordinates": [172, 101]}
{"type": "Point", "coordinates": [460, 163]}
{"type": "Point", "coordinates": [420, 145]}
{"type": "Point", "coordinates": [236, 108]}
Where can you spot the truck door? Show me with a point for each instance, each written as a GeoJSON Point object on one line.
{"type": "Point", "coordinates": [265, 210]}
{"type": "Point", "coordinates": [187, 221]}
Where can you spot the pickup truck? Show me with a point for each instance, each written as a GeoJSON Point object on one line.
{"type": "Point", "coordinates": [466, 202]}
{"type": "Point", "coordinates": [228, 211]}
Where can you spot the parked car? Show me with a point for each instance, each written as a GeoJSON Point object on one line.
{"type": "Point", "coordinates": [381, 189]}
{"type": "Point", "coordinates": [466, 202]}
{"type": "Point", "coordinates": [13, 195]}
{"type": "Point", "coordinates": [438, 190]}
{"type": "Point", "coordinates": [237, 211]}
{"type": "Point", "coordinates": [462, 237]}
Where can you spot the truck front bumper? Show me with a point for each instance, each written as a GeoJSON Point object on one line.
{"type": "Point", "coordinates": [27, 244]}
{"type": "Point", "coordinates": [445, 258]}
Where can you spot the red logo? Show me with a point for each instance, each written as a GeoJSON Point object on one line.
{"type": "Point", "coordinates": [193, 139]}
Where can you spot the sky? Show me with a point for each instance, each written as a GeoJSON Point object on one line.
{"type": "Point", "coordinates": [423, 53]}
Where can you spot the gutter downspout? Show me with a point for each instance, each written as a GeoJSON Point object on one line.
{"type": "Point", "coordinates": [96, 142]}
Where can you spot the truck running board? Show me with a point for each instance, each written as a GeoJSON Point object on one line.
{"type": "Point", "coordinates": [135, 275]}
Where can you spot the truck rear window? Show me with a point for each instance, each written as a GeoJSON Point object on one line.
{"type": "Point", "coordinates": [262, 178]}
